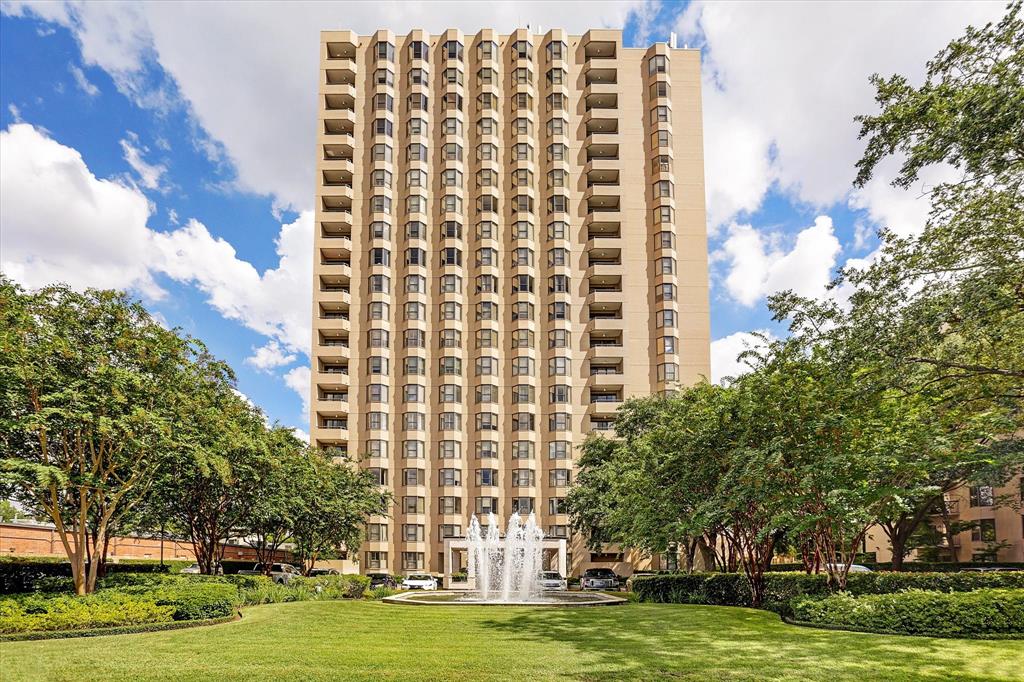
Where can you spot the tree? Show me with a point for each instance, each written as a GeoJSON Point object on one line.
{"type": "Point", "coordinates": [939, 316]}
{"type": "Point", "coordinates": [284, 486]}
{"type": "Point", "coordinates": [214, 475]}
{"type": "Point", "coordinates": [337, 501]}
{"type": "Point", "coordinates": [85, 419]}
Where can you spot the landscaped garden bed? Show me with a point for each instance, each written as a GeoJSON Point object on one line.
{"type": "Point", "coordinates": [895, 603]}
{"type": "Point", "coordinates": [128, 601]}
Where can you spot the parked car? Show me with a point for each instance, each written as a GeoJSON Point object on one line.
{"type": "Point", "coordinates": [382, 580]}
{"type": "Point", "coordinates": [193, 569]}
{"type": "Point", "coordinates": [419, 581]}
{"type": "Point", "coordinates": [988, 569]}
{"type": "Point", "coordinates": [854, 568]}
{"type": "Point", "coordinates": [599, 579]}
{"type": "Point", "coordinates": [281, 574]}
{"type": "Point", "coordinates": [323, 571]}
{"type": "Point", "coordinates": [552, 580]}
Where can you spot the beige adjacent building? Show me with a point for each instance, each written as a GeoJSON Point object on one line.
{"type": "Point", "coordinates": [992, 519]}
{"type": "Point", "coordinates": [510, 241]}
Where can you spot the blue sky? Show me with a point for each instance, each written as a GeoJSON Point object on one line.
{"type": "Point", "coordinates": [172, 146]}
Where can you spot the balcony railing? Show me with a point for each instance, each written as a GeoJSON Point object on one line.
{"type": "Point", "coordinates": [605, 343]}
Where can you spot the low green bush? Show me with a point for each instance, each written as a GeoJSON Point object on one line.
{"type": "Point", "coordinates": [731, 589]}
{"type": "Point", "coordinates": [30, 613]}
{"type": "Point", "coordinates": [919, 612]}
{"type": "Point", "coordinates": [347, 586]}
{"type": "Point", "coordinates": [381, 592]}
{"type": "Point", "coordinates": [198, 601]}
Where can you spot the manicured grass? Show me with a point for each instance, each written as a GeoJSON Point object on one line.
{"type": "Point", "coordinates": [376, 641]}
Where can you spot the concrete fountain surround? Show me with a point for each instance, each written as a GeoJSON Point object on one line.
{"type": "Point", "coordinates": [545, 599]}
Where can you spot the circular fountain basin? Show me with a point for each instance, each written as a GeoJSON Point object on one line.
{"type": "Point", "coordinates": [460, 598]}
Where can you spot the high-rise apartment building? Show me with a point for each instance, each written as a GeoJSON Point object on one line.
{"type": "Point", "coordinates": [510, 241]}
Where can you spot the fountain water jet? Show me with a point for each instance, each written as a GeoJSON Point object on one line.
{"type": "Point", "coordinates": [506, 570]}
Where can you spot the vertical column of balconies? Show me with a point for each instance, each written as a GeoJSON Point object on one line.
{"type": "Point", "coordinates": [333, 242]}
{"type": "Point", "coordinates": [486, 282]}
{"type": "Point", "coordinates": [519, 257]}
{"type": "Point", "coordinates": [449, 343]}
{"type": "Point", "coordinates": [561, 391]}
{"type": "Point", "coordinates": [661, 193]}
{"type": "Point", "coordinates": [604, 297]}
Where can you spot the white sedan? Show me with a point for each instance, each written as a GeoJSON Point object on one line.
{"type": "Point", "coordinates": [552, 580]}
{"type": "Point", "coordinates": [419, 581]}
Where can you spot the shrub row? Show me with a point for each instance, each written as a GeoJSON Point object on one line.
{"type": "Point", "coordinates": [730, 589]}
{"type": "Point", "coordinates": [982, 612]}
{"type": "Point", "coordinates": [916, 566]}
{"type": "Point", "coordinates": [25, 575]}
{"type": "Point", "coordinates": [66, 612]}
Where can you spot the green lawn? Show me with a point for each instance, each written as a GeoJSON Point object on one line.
{"type": "Point", "coordinates": [376, 641]}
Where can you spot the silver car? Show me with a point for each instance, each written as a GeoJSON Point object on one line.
{"type": "Point", "coordinates": [552, 580]}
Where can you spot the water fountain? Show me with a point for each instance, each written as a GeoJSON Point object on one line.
{"type": "Point", "coordinates": [504, 570]}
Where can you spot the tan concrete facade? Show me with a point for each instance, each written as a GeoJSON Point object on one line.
{"type": "Point", "coordinates": [510, 240]}
{"type": "Point", "coordinates": [998, 517]}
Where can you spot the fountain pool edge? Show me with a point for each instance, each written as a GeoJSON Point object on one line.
{"type": "Point", "coordinates": [594, 599]}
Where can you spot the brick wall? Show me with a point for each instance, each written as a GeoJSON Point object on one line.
{"type": "Point", "coordinates": [31, 540]}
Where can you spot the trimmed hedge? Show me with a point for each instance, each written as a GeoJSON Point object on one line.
{"type": "Point", "coordinates": [919, 612]}
{"type": "Point", "coordinates": [916, 566]}
{"type": "Point", "coordinates": [730, 589]}
{"type": "Point", "coordinates": [119, 630]}
{"type": "Point", "coordinates": [25, 575]}
{"type": "Point", "coordinates": [66, 612]}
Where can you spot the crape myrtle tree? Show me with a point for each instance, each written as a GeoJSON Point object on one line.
{"type": "Point", "coordinates": [337, 500]}
{"type": "Point", "coordinates": [215, 474]}
{"type": "Point", "coordinates": [284, 486]}
{"type": "Point", "coordinates": [85, 410]}
{"type": "Point", "coordinates": [939, 315]}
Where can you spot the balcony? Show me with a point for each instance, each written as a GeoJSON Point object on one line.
{"type": "Point", "coordinates": [605, 311]}
{"type": "Point", "coordinates": [336, 267]}
{"type": "Point", "coordinates": [340, 124]}
{"type": "Point", "coordinates": [341, 72]}
{"type": "Point", "coordinates": [336, 282]}
{"type": "Point", "coordinates": [600, 98]}
{"type": "Point", "coordinates": [599, 128]}
{"type": "Point", "coordinates": [339, 95]}
{"type": "Point", "coordinates": [603, 177]}
{"type": "Point", "coordinates": [605, 284]}
{"type": "Point", "coordinates": [338, 152]}
{"type": "Point", "coordinates": [343, 99]}
{"type": "Point", "coordinates": [597, 150]}
{"type": "Point", "coordinates": [599, 49]}
{"type": "Point", "coordinates": [598, 75]}
{"type": "Point", "coordinates": [336, 178]}
{"type": "Point", "coordinates": [341, 50]}
{"type": "Point", "coordinates": [332, 378]}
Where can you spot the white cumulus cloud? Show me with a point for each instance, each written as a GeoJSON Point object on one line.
{"type": "Point", "coordinates": [264, 86]}
{"type": "Point", "coordinates": [270, 356]}
{"type": "Point", "coordinates": [298, 379]}
{"type": "Point", "coordinates": [784, 80]}
{"type": "Point", "coordinates": [759, 265]}
{"type": "Point", "coordinates": [60, 223]}
{"type": "Point", "coordinates": [725, 353]}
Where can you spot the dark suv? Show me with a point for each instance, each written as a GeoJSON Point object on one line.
{"type": "Point", "coordinates": [382, 580]}
{"type": "Point", "coordinates": [599, 579]}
